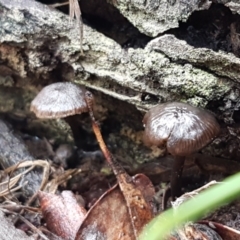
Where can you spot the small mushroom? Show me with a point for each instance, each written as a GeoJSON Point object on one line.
{"type": "Point", "coordinates": [184, 130]}
{"type": "Point", "coordinates": [61, 100]}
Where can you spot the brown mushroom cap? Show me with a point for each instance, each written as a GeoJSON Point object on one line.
{"type": "Point", "coordinates": [59, 100]}
{"type": "Point", "coordinates": [183, 128]}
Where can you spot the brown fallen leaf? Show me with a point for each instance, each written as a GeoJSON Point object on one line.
{"type": "Point", "coordinates": [139, 209]}
{"type": "Point", "coordinates": [109, 217]}
{"type": "Point", "coordinates": [226, 233]}
{"type": "Point", "coordinates": [144, 184]}
{"type": "Point", "coordinates": [192, 231]}
{"type": "Point", "coordinates": [62, 213]}
{"type": "Point", "coordinates": [206, 230]}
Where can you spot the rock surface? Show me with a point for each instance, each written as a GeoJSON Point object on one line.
{"type": "Point", "coordinates": [155, 17]}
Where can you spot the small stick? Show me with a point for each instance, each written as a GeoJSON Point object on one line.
{"type": "Point", "coordinates": [55, 5]}
{"type": "Point", "coordinates": [139, 209]}
{"type": "Point", "coordinates": [116, 167]}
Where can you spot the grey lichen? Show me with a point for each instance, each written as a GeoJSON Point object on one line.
{"type": "Point", "coordinates": [223, 64]}
{"type": "Point", "coordinates": [233, 5]}
{"type": "Point", "coordinates": [125, 74]}
{"type": "Point", "coordinates": [151, 72]}
{"type": "Point", "coordinates": [154, 17]}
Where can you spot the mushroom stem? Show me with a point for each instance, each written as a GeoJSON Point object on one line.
{"type": "Point", "coordinates": [176, 176]}
{"type": "Point", "coordinates": [116, 167]}
{"type": "Point", "coordinates": [72, 122]}
{"type": "Point", "coordinates": [77, 131]}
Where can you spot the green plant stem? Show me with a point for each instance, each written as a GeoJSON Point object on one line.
{"type": "Point", "coordinates": [193, 209]}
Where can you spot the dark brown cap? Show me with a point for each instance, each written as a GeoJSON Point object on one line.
{"type": "Point", "coordinates": [183, 128]}
{"type": "Point", "coordinates": [59, 100]}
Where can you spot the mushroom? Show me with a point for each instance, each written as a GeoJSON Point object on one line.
{"type": "Point", "coordinates": [61, 100]}
{"type": "Point", "coordinates": [184, 130]}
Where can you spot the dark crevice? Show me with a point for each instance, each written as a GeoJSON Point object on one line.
{"type": "Point", "coordinates": [216, 28]}
{"type": "Point", "coordinates": [200, 66]}
{"type": "Point", "coordinates": [105, 18]}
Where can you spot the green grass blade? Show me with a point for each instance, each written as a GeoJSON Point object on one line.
{"type": "Point", "coordinates": [193, 209]}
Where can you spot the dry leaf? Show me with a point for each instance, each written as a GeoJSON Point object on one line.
{"type": "Point", "coordinates": [75, 11]}
{"type": "Point", "coordinates": [62, 213]}
{"type": "Point", "coordinates": [192, 231]}
{"type": "Point", "coordinates": [226, 233]}
{"type": "Point", "coordinates": [109, 218]}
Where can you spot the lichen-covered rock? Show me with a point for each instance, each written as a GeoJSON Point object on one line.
{"type": "Point", "coordinates": [223, 64]}
{"type": "Point", "coordinates": [141, 77]}
{"type": "Point", "coordinates": [234, 5]}
{"type": "Point", "coordinates": [39, 46]}
{"type": "Point", "coordinates": [153, 17]}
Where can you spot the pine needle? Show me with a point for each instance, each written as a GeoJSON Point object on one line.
{"type": "Point", "coordinates": [75, 12]}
